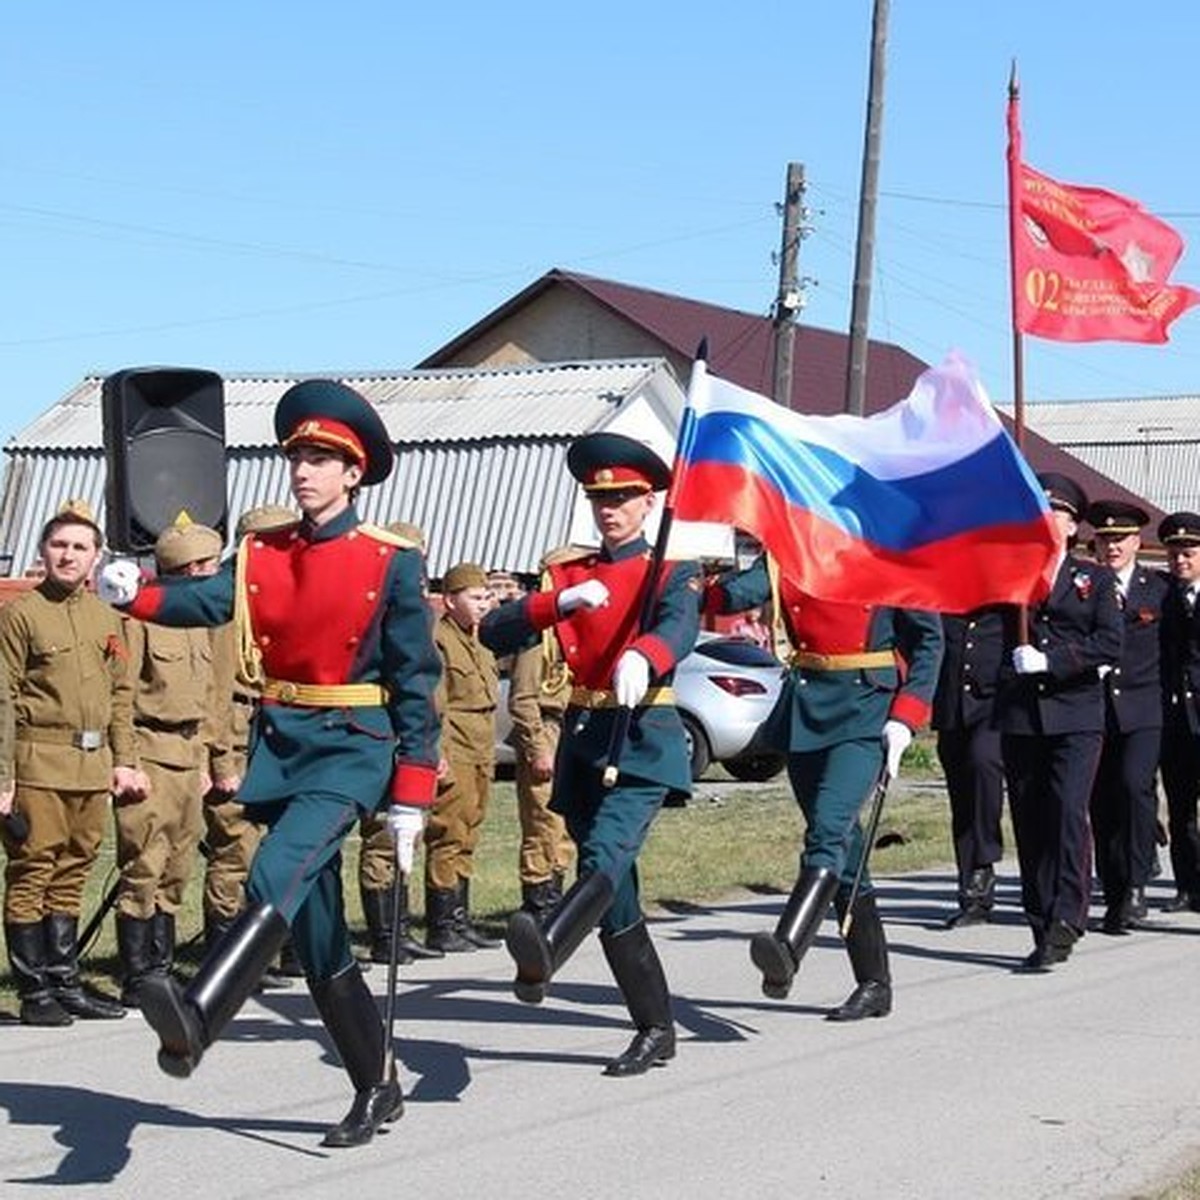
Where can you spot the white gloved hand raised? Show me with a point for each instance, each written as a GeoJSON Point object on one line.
{"type": "Point", "coordinates": [896, 739]}
{"type": "Point", "coordinates": [631, 678]}
{"type": "Point", "coordinates": [1103, 669]}
{"type": "Point", "coordinates": [407, 824]}
{"type": "Point", "coordinates": [1029, 660]}
{"type": "Point", "coordinates": [119, 582]}
{"type": "Point", "coordinates": [591, 593]}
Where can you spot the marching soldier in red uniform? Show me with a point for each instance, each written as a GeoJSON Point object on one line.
{"type": "Point", "coordinates": [333, 622]}
{"type": "Point", "coordinates": [593, 606]}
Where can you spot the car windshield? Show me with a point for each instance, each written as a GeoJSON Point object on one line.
{"type": "Point", "coordinates": [738, 652]}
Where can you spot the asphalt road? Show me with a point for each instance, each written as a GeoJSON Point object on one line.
{"type": "Point", "coordinates": [1080, 1083]}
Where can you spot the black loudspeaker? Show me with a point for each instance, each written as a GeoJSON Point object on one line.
{"type": "Point", "coordinates": [164, 442]}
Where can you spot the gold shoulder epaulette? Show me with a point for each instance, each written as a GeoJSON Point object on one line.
{"type": "Point", "coordinates": [566, 554]}
{"type": "Point", "coordinates": [386, 535]}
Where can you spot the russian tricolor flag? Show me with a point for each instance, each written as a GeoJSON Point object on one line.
{"type": "Point", "coordinates": [927, 505]}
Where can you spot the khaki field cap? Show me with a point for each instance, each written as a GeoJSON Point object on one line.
{"type": "Point", "coordinates": [462, 576]}
{"type": "Point", "coordinates": [265, 516]}
{"type": "Point", "coordinates": [185, 542]}
{"type": "Point", "coordinates": [73, 512]}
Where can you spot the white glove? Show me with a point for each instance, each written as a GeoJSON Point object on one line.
{"type": "Point", "coordinates": [631, 678]}
{"type": "Point", "coordinates": [896, 737]}
{"type": "Point", "coordinates": [591, 593]}
{"type": "Point", "coordinates": [119, 582]}
{"type": "Point", "coordinates": [1103, 669]}
{"type": "Point", "coordinates": [407, 824]}
{"type": "Point", "coordinates": [1029, 660]}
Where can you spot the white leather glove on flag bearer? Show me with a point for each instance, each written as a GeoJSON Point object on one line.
{"type": "Point", "coordinates": [591, 593]}
{"type": "Point", "coordinates": [407, 825]}
{"type": "Point", "coordinates": [631, 678]}
{"type": "Point", "coordinates": [1029, 660]}
{"type": "Point", "coordinates": [119, 582]}
{"type": "Point", "coordinates": [896, 738]}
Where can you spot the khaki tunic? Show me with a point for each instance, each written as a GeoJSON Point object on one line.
{"type": "Point", "coordinates": [466, 701]}
{"type": "Point", "coordinates": [538, 693]}
{"type": "Point", "coordinates": [230, 837]}
{"type": "Point", "coordinates": [157, 837]}
{"type": "Point", "coordinates": [71, 698]}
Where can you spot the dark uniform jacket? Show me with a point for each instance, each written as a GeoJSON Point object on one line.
{"type": "Point", "coordinates": [299, 585]}
{"type": "Point", "coordinates": [1133, 688]}
{"type": "Point", "coordinates": [971, 666]}
{"type": "Point", "coordinates": [591, 642]}
{"type": "Point", "coordinates": [1078, 627]}
{"type": "Point", "coordinates": [819, 708]}
{"type": "Point", "coordinates": [1181, 657]}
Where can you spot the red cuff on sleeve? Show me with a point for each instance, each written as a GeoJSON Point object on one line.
{"type": "Point", "coordinates": [543, 609]}
{"type": "Point", "coordinates": [908, 708]}
{"type": "Point", "coordinates": [413, 783]}
{"type": "Point", "coordinates": [145, 604]}
{"type": "Point", "coordinates": [661, 657]}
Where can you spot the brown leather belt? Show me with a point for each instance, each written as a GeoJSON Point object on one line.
{"type": "Point", "coordinates": [184, 729]}
{"type": "Point", "coordinates": [866, 661]}
{"type": "Point", "coordinates": [81, 739]}
{"type": "Point", "coordinates": [582, 697]}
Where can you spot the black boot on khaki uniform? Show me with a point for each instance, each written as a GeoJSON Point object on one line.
{"type": "Point", "coordinates": [378, 907]}
{"type": "Point", "coordinates": [135, 946]}
{"type": "Point", "coordinates": [164, 941]}
{"type": "Point", "coordinates": [27, 959]}
{"type": "Point", "coordinates": [62, 972]}
{"type": "Point", "coordinates": [638, 971]}
{"type": "Point", "coordinates": [469, 930]}
{"type": "Point", "coordinates": [443, 934]}
{"type": "Point", "coordinates": [349, 1012]}
{"type": "Point", "coordinates": [188, 1020]}
{"type": "Point", "coordinates": [867, 947]}
{"type": "Point", "coordinates": [777, 955]}
{"type": "Point", "coordinates": [539, 948]}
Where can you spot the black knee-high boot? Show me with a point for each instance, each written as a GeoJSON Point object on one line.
{"type": "Point", "coordinates": [539, 948]}
{"type": "Point", "coordinates": [777, 955]}
{"type": "Point", "coordinates": [867, 947]}
{"type": "Point", "coordinates": [349, 1012]}
{"type": "Point", "coordinates": [188, 1020]}
{"type": "Point", "coordinates": [638, 971]}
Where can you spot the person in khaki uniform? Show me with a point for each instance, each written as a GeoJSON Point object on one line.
{"type": "Point", "coordinates": [177, 718]}
{"type": "Point", "coordinates": [539, 691]}
{"type": "Point", "coordinates": [71, 697]}
{"type": "Point", "coordinates": [230, 837]}
{"type": "Point", "coordinates": [467, 696]}
{"type": "Point", "coordinates": [377, 881]}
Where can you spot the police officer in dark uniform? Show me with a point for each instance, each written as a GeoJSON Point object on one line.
{"type": "Point", "coordinates": [1124, 805]}
{"type": "Point", "coordinates": [333, 622]}
{"type": "Point", "coordinates": [1051, 714]}
{"type": "Point", "coordinates": [593, 607]}
{"type": "Point", "coordinates": [968, 747]}
{"type": "Point", "coordinates": [846, 711]}
{"type": "Point", "coordinates": [1180, 534]}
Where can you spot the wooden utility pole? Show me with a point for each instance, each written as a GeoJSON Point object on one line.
{"type": "Point", "coordinates": [789, 300]}
{"type": "Point", "coordinates": [856, 374]}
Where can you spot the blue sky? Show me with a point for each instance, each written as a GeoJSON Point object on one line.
{"type": "Point", "coordinates": [308, 187]}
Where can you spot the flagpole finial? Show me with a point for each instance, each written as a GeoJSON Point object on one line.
{"type": "Point", "coordinates": [1014, 84]}
{"type": "Point", "coordinates": [702, 351]}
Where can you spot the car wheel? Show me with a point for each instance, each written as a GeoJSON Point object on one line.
{"type": "Point", "coordinates": [757, 768]}
{"type": "Point", "coordinates": [697, 745]}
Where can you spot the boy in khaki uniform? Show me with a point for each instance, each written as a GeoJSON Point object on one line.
{"type": "Point", "coordinates": [177, 718]}
{"type": "Point", "coordinates": [467, 698]}
{"type": "Point", "coordinates": [67, 665]}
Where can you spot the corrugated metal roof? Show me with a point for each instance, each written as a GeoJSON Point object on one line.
{"type": "Point", "coordinates": [1150, 445]}
{"type": "Point", "coordinates": [485, 477]}
{"type": "Point", "coordinates": [528, 400]}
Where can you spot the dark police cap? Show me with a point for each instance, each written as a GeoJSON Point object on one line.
{"type": "Point", "coordinates": [612, 462]}
{"type": "Point", "coordinates": [323, 412]}
{"type": "Point", "coordinates": [1180, 529]}
{"type": "Point", "coordinates": [1117, 517]}
{"type": "Point", "coordinates": [1064, 493]}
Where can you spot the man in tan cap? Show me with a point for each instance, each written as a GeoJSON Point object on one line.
{"type": "Point", "coordinates": [178, 720]}
{"type": "Point", "coordinates": [467, 699]}
{"type": "Point", "coordinates": [67, 664]}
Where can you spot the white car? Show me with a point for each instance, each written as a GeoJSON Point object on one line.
{"type": "Point", "coordinates": [724, 690]}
